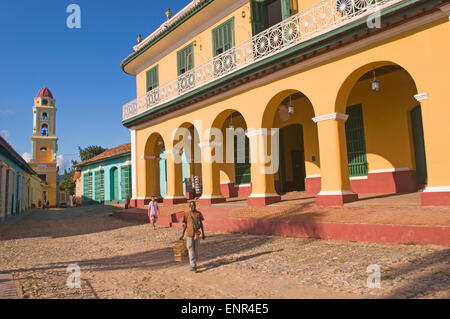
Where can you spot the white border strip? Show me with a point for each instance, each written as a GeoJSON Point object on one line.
{"type": "Point", "coordinates": [331, 116]}
{"type": "Point", "coordinates": [328, 193]}
{"type": "Point", "coordinates": [436, 189]}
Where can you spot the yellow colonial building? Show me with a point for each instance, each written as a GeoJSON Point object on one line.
{"type": "Point", "coordinates": [258, 98]}
{"type": "Point", "coordinates": [44, 145]}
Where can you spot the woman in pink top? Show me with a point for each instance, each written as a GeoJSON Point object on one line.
{"type": "Point", "coordinates": [153, 211]}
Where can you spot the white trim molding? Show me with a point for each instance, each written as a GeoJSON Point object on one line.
{"type": "Point", "coordinates": [358, 178]}
{"type": "Point", "coordinates": [421, 96]}
{"type": "Point", "coordinates": [174, 197]}
{"type": "Point", "coordinates": [436, 189]}
{"type": "Point", "coordinates": [389, 170]}
{"type": "Point", "coordinates": [210, 144]}
{"type": "Point", "coordinates": [211, 197]}
{"type": "Point", "coordinates": [313, 176]}
{"type": "Point", "coordinates": [263, 195]}
{"type": "Point", "coordinates": [332, 116]}
{"type": "Point", "coordinates": [331, 193]}
{"type": "Point", "coordinates": [261, 131]}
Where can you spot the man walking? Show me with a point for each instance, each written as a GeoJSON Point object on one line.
{"type": "Point", "coordinates": [193, 227]}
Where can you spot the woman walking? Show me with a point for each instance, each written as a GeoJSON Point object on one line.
{"type": "Point", "coordinates": [153, 212]}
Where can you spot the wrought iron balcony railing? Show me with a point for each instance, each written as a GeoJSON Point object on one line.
{"type": "Point", "coordinates": [321, 18]}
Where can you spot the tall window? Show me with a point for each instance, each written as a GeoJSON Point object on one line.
{"type": "Point", "coordinates": [152, 78]}
{"type": "Point", "coordinates": [87, 190]}
{"type": "Point", "coordinates": [43, 177]}
{"type": "Point", "coordinates": [125, 181]}
{"type": "Point", "coordinates": [185, 59]}
{"type": "Point", "coordinates": [223, 37]}
{"type": "Point", "coordinates": [356, 142]}
{"type": "Point", "coordinates": [100, 186]}
{"type": "Point", "coordinates": [266, 13]}
{"type": "Point", "coordinates": [44, 116]}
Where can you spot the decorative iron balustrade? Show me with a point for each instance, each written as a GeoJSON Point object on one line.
{"type": "Point", "coordinates": [309, 23]}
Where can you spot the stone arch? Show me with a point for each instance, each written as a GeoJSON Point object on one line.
{"type": "Point", "coordinates": [388, 145]}
{"type": "Point", "coordinates": [233, 172]}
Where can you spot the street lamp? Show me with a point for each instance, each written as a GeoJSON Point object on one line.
{"type": "Point", "coordinates": [375, 84]}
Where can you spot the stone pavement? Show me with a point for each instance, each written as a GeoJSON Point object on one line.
{"type": "Point", "coordinates": [123, 259]}
{"type": "Point", "coordinates": [7, 287]}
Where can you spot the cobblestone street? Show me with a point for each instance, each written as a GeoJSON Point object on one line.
{"type": "Point", "coordinates": [123, 259]}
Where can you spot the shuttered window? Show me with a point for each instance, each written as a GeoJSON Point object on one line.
{"type": "Point", "coordinates": [100, 186]}
{"type": "Point", "coordinates": [242, 161]}
{"type": "Point", "coordinates": [185, 59]}
{"type": "Point", "coordinates": [259, 16]}
{"type": "Point", "coordinates": [356, 142]}
{"type": "Point", "coordinates": [125, 181]}
{"type": "Point", "coordinates": [223, 37]}
{"type": "Point", "coordinates": [87, 190]}
{"type": "Point", "coordinates": [152, 78]}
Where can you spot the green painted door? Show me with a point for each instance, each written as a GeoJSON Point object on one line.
{"type": "Point", "coordinates": [114, 183]}
{"type": "Point", "coordinates": [419, 146]}
{"type": "Point", "coordinates": [87, 188]}
{"type": "Point", "coordinates": [356, 142]}
{"type": "Point", "coordinates": [242, 160]}
{"type": "Point", "coordinates": [100, 186]}
{"type": "Point", "coordinates": [125, 181]}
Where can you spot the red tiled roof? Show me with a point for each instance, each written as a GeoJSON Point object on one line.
{"type": "Point", "coordinates": [17, 158]}
{"type": "Point", "coordinates": [112, 152]}
{"type": "Point", "coordinates": [45, 93]}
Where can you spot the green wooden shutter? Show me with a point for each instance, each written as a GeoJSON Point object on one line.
{"type": "Point", "coordinates": [285, 9]}
{"type": "Point", "coordinates": [242, 170]}
{"type": "Point", "coordinates": [356, 142]}
{"type": "Point", "coordinates": [87, 189]}
{"type": "Point", "coordinates": [152, 78]}
{"type": "Point", "coordinates": [185, 59]}
{"type": "Point", "coordinates": [125, 181]}
{"type": "Point", "coordinates": [223, 37]}
{"type": "Point", "coordinates": [100, 186]}
{"type": "Point", "coordinates": [259, 16]}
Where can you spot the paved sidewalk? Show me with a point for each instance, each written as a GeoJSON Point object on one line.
{"type": "Point", "coordinates": [7, 287]}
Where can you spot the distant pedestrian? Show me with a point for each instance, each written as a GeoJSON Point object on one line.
{"type": "Point", "coordinates": [153, 211]}
{"type": "Point", "coordinates": [193, 227]}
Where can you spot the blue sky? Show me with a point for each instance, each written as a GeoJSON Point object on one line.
{"type": "Point", "coordinates": [80, 66]}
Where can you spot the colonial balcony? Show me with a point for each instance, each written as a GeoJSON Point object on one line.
{"type": "Point", "coordinates": [324, 17]}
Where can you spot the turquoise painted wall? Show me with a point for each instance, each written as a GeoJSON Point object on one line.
{"type": "Point", "coordinates": [107, 165]}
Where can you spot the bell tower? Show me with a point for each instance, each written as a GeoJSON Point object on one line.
{"type": "Point", "coordinates": [44, 143]}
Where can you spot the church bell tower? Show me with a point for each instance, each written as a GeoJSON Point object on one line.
{"type": "Point", "coordinates": [44, 144]}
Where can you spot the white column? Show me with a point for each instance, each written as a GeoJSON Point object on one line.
{"type": "Point", "coordinates": [133, 164]}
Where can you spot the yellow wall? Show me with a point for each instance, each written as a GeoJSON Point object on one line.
{"type": "Point", "coordinates": [202, 51]}
{"type": "Point", "coordinates": [330, 87]}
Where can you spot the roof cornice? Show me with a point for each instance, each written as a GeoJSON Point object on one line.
{"type": "Point", "coordinates": [166, 28]}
